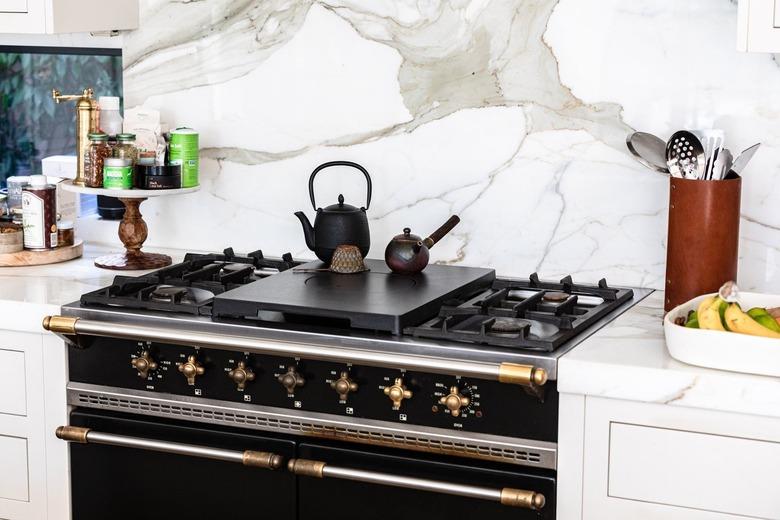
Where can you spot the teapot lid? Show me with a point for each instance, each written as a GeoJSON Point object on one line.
{"type": "Point", "coordinates": [341, 207]}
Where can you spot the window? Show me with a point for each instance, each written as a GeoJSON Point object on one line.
{"type": "Point", "coordinates": [32, 126]}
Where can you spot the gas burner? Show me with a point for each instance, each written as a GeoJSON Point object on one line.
{"type": "Point", "coordinates": [528, 314]}
{"type": "Point", "coordinates": [555, 297]}
{"type": "Point", "coordinates": [509, 325]}
{"type": "Point", "coordinates": [183, 295]}
{"type": "Point", "coordinates": [232, 268]}
{"type": "Point", "coordinates": [190, 286]}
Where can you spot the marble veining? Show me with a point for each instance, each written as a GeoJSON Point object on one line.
{"type": "Point", "coordinates": [511, 113]}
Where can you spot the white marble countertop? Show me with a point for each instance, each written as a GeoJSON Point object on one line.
{"type": "Point", "coordinates": [29, 293]}
{"type": "Point", "coordinates": [628, 359]}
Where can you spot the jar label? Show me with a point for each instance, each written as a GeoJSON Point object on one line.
{"type": "Point", "coordinates": [33, 221]}
{"type": "Point", "coordinates": [118, 177]}
{"type": "Point", "coordinates": [184, 151]}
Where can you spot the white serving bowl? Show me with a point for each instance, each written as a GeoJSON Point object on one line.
{"type": "Point", "coordinates": [724, 350]}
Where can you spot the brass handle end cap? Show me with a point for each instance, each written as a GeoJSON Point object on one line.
{"type": "Point", "coordinates": [522, 498]}
{"type": "Point", "coordinates": [72, 434]}
{"type": "Point", "coordinates": [60, 324]}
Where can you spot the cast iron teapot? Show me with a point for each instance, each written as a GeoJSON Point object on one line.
{"type": "Point", "coordinates": [338, 224]}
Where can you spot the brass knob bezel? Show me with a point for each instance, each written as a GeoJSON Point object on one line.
{"type": "Point", "coordinates": [144, 364]}
{"type": "Point", "coordinates": [241, 375]}
{"type": "Point", "coordinates": [344, 385]}
{"type": "Point", "coordinates": [397, 392]}
{"type": "Point", "coordinates": [454, 401]}
{"type": "Point", "coordinates": [291, 380]}
{"type": "Point", "coordinates": [191, 369]}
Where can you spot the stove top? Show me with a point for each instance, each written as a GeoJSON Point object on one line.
{"type": "Point", "coordinates": [377, 299]}
{"type": "Point", "coordinates": [530, 314]}
{"type": "Point", "coordinates": [190, 286]}
{"type": "Point", "coordinates": [453, 305]}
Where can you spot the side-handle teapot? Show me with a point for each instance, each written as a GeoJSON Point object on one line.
{"type": "Point", "coordinates": [337, 224]}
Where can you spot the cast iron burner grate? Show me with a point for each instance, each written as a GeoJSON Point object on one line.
{"type": "Point", "coordinates": [528, 314]}
{"type": "Point", "coordinates": [190, 286]}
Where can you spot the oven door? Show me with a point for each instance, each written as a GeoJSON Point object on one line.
{"type": "Point", "coordinates": [138, 467]}
{"type": "Point", "coordinates": [334, 482]}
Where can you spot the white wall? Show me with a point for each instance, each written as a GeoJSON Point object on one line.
{"type": "Point", "coordinates": [512, 114]}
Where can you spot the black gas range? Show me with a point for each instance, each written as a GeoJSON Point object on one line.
{"type": "Point", "coordinates": [447, 377]}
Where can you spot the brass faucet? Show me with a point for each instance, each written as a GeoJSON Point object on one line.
{"type": "Point", "coordinates": [86, 123]}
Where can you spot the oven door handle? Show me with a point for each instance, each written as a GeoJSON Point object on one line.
{"type": "Point", "coordinates": [507, 496]}
{"type": "Point", "coordinates": [256, 459]}
{"type": "Point", "coordinates": [529, 376]}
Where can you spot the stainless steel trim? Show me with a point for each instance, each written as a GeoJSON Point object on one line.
{"type": "Point", "coordinates": [388, 344]}
{"type": "Point", "coordinates": [523, 452]}
{"type": "Point", "coordinates": [386, 479]}
{"type": "Point", "coordinates": [247, 458]}
{"type": "Point", "coordinates": [519, 498]}
{"type": "Point", "coordinates": [490, 371]}
{"type": "Point", "coordinates": [94, 437]}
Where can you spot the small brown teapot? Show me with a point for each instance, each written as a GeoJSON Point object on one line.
{"type": "Point", "coordinates": [408, 253]}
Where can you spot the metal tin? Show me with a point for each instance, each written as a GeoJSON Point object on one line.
{"type": "Point", "coordinates": [117, 173]}
{"type": "Point", "coordinates": [39, 215]}
{"type": "Point", "coordinates": [184, 151]}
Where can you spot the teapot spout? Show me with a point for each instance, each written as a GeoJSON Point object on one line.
{"type": "Point", "coordinates": [308, 230]}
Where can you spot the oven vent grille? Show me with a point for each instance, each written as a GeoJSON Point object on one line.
{"type": "Point", "coordinates": [368, 435]}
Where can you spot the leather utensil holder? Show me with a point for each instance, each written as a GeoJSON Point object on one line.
{"type": "Point", "coordinates": [703, 240]}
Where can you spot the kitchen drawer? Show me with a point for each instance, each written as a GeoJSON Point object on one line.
{"type": "Point", "coordinates": [694, 470]}
{"type": "Point", "coordinates": [648, 461]}
{"type": "Point", "coordinates": [14, 478]}
{"type": "Point", "coordinates": [13, 395]}
{"type": "Point", "coordinates": [13, 6]}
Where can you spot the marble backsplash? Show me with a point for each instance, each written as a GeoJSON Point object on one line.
{"type": "Point", "coordinates": [510, 113]}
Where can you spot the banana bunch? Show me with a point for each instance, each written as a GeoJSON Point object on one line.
{"type": "Point", "coordinates": [715, 313]}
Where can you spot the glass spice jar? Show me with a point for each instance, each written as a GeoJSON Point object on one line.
{"type": "Point", "coordinates": [98, 150]}
{"type": "Point", "coordinates": [125, 147]}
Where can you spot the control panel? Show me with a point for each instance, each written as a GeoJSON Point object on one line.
{"type": "Point", "coordinates": [343, 389]}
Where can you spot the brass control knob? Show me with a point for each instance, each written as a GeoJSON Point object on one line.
{"type": "Point", "coordinates": [454, 401]}
{"type": "Point", "coordinates": [144, 364]}
{"type": "Point", "coordinates": [344, 385]}
{"type": "Point", "coordinates": [291, 380]}
{"type": "Point", "coordinates": [397, 393]}
{"type": "Point", "coordinates": [241, 375]}
{"type": "Point", "coordinates": [191, 368]}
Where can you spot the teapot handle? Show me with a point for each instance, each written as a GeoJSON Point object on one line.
{"type": "Point", "coordinates": [339, 163]}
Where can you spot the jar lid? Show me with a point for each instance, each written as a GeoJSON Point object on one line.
{"type": "Point", "coordinates": [184, 131]}
{"type": "Point", "coordinates": [38, 180]}
{"type": "Point", "coordinates": [125, 137]}
{"type": "Point", "coordinates": [98, 136]}
{"type": "Point", "coordinates": [150, 170]}
{"type": "Point", "coordinates": [65, 224]}
{"type": "Point", "coordinates": [117, 161]}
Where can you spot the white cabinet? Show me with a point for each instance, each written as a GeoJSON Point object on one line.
{"type": "Point", "coordinates": [33, 463]}
{"type": "Point", "coordinates": [67, 16]}
{"type": "Point", "coordinates": [758, 28]}
{"type": "Point", "coordinates": [648, 461]}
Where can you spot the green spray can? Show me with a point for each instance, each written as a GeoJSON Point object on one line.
{"type": "Point", "coordinates": [184, 152]}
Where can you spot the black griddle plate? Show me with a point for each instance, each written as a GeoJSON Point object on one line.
{"type": "Point", "coordinates": [376, 299]}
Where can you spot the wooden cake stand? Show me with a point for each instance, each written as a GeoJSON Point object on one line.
{"type": "Point", "coordinates": [132, 229]}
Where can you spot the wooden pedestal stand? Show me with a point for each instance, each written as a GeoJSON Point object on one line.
{"type": "Point", "coordinates": [132, 229]}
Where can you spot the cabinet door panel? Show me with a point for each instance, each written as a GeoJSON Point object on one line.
{"type": "Point", "coordinates": [13, 396]}
{"type": "Point", "coordinates": [13, 6]}
{"type": "Point", "coordinates": [695, 470]}
{"type": "Point", "coordinates": [14, 480]}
